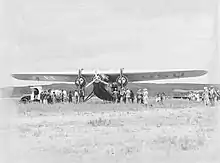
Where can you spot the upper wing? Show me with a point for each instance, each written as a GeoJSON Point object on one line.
{"type": "Point", "coordinates": [145, 76]}
{"type": "Point", "coordinates": [132, 77]}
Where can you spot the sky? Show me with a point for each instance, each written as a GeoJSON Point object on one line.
{"type": "Point", "coordinates": [65, 35]}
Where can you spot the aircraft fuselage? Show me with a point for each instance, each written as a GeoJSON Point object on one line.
{"type": "Point", "coordinates": [101, 92]}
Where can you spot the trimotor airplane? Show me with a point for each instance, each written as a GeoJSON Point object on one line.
{"type": "Point", "coordinates": [103, 81]}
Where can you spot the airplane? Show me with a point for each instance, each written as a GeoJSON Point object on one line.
{"type": "Point", "coordinates": [103, 81]}
{"type": "Point", "coordinates": [184, 93]}
{"type": "Point", "coordinates": [187, 90]}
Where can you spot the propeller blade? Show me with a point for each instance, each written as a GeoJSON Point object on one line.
{"type": "Point", "coordinates": [80, 72]}
{"type": "Point", "coordinates": [90, 83]}
{"type": "Point", "coordinates": [121, 72]}
{"type": "Point", "coordinates": [103, 82]}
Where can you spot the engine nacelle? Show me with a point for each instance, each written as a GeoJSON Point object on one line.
{"type": "Point", "coordinates": [122, 80]}
{"type": "Point", "coordinates": [80, 82]}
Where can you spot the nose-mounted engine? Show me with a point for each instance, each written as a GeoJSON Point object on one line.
{"type": "Point", "coordinates": [97, 78]}
{"type": "Point", "coordinates": [80, 80]}
{"type": "Point", "coordinates": [122, 80]}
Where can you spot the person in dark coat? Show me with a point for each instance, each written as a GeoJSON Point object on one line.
{"type": "Point", "coordinates": [132, 96]}
{"type": "Point", "coordinates": [70, 97]}
{"type": "Point", "coordinates": [62, 96]}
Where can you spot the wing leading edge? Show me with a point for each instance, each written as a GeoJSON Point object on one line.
{"type": "Point", "coordinates": [135, 77]}
{"type": "Point", "coordinates": [132, 77]}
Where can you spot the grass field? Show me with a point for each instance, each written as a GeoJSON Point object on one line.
{"type": "Point", "coordinates": [177, 131]}
{"type": "Point", "coordinates": [100, 106]}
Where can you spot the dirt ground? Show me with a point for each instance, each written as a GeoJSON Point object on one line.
{"type": "Point", "coordinates": [178, 131]}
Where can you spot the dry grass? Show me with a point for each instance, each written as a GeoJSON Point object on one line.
{"type": "Point", "coordinates": [177, 131]}
{"type": "Point", "coordinates": [99, 106]}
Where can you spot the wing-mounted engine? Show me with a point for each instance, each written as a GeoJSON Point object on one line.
{"type": "Point", "coordinates": [80, 80]}
{"type": "Point", "coordinates": [122, 80]}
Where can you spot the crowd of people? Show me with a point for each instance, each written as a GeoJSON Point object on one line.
{"type": "Point", "coordinates": [209, 96]}
{"type": "Point", "coordinates": [57, 96]}
{"type": "Point", "coordinates": [124, 95]}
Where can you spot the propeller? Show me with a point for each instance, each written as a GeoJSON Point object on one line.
{"type": "Point", "coordinates": [103, 81]}
{"type": "Point", "coordinates": [96, 78]}
{"type": "Point", "coordinates": [80, 81]}
{"type": "Point", "coordinates": [90, 83]}
{"type": "Point", "coordinates": [121, 80]}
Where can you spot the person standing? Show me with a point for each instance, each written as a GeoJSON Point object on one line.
{"type": "Point", "coordinates": [70, 97]}
{"type": "Point", "coordinates": [128, 95]}
{"type": "Point", "coordinates": [138, 96]}
{"type": "Point", "coordinates": [132, 96]}
{"type": "Point", "coordinates": [62, 96]}
{"type": "Point", "coordinates": [118, 96]}
{"type": "Point", "coordinates": [145, 97]}
{"type": "Point", "coordinates": [212, 95]}
{"type": "Point", "coordinates": [81, 95]}
{"type": "Point", "coordinates": [206, 96]}
{"type": "Point", "coordinates": [76, 95]}
{"type": "Point", "coordinates": [115, 95]}
{"type": "Point", "coordinates": [42, 97]}
{"type": "Point", "coordinates": [54, 97]}
{"type": "Point", "coordinates": [123, 93]}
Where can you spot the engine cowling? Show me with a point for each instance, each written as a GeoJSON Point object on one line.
{"type": "Point", "coordinates": [97, 77]}
{"type": "Point", "coordinates": [122, 80]}
{"type": "Point", "coordinates": [105, 77]}
{"type": "Point", "coordinates": [80, 81]}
